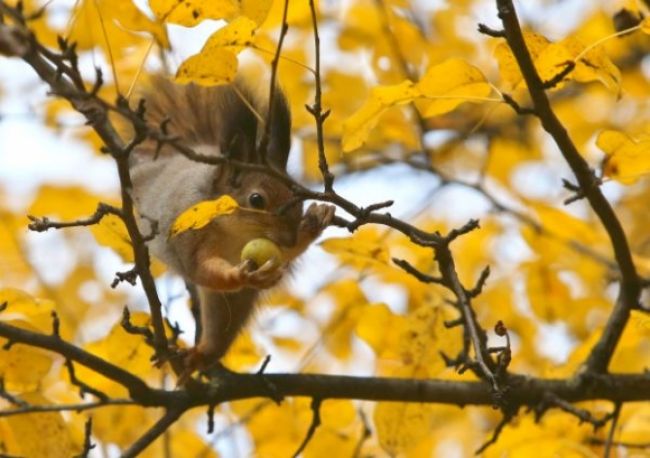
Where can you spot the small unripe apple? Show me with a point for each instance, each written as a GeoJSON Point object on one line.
{"type": "Point", "coordinates": [260, 251]}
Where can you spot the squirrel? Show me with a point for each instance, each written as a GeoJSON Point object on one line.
{"type": "Point", "coordinates": [224, 121]}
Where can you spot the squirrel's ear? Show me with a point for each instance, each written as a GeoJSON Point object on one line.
{"type": "Point", "coordinates": [280, 133]}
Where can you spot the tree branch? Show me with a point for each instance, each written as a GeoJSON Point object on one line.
{"type": "Point", "coordinates": [629, 293]}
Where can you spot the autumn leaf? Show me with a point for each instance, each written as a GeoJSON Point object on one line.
{"type": "Point", "coordinates": [401, 426]}
{"type": "Point", "coordinates": [217, 62]}
{"type": "Point", "coordinates": [445, 86]}
{"type": "Point", "coordinates": [591, 63]}
{"type": "Point", "coordinates": [357, 127]}
{"type": "Point", "coordinates": [200, 215]}
{"type": "Point", "coordinates": [191, 12]}
{"type": "Point", "coordinates": [628, 159]}
{"type": "Point", "coordinates": [449, 84]}
{"type": "Point", "coordinates": [37, 435]}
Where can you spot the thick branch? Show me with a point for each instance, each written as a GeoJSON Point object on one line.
{"type": "Point", "coordinates": [522, 391]}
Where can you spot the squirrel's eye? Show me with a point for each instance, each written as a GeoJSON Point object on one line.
{"type": "Point", "coordinates": [257, 201]}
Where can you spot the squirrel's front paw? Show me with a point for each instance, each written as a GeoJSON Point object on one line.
{"type": "Point", "coordinates": [263, 277]}
{"type": "Point", "coordinates": [316, 218]}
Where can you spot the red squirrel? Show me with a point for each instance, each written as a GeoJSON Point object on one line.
{"type": "Point", "coordinates": [222, 121]}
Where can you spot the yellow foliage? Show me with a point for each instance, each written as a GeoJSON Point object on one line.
{"type": "Point", "coordinates": [112, 232]}
{"type": "Point", "coordinates": [628, 159]}
{"type": "Point", "coordinates": [198, 216]}
{"type": "Point", "coordinates": [191, 12]}
{"type": "Point", "coordinates": [217, 62]}
{"type": "Point", "coordinates": [37, 435]}
{"type": "Point", "coordinates": [444, 86]}
{"type": "Point", "coordinates": [128, 351]}
{"type": "Point", "coordinates": [111, 25]}
{"type": "Point", "coordinates": [591, 63]}
{"type": "Point", "coordinates": [401, 426]}
{"type": "Point", "coordinates": [558, 434]}
{"type": "Point", "coordinates": [395, 77]}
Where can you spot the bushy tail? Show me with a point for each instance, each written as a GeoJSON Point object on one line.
{"type": "Point", "coordinates": [230, 117]}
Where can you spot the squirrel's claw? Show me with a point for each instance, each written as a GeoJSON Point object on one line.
{"type": "Point", "coordinates": [317, 218]}
{"type": "Point", "coordinates": [264, 277]}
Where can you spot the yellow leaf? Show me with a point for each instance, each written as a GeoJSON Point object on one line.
{"type": "Point", "coordinates": [38, 312]}
{"type": "Point", "coordinates": [334, 437]}
{"type": "Point", "coordinates": [200, 215]}
{"type": "Point", "coordinates": [381, 329]}
{"type": "Point", "coordinates": [632, 355]}
{"type": "Point", "coordinates": [217, 62]}
{"type": "Point", "coordinates": [211, 68]}
{"type": "Point", "coordinates": [567, 227]}
{"type": "Point", "coordinates": [357, 127]}
{"type": "Point", "coordinates": [37, 435]}
{"type": "Point", "coordinates": [557, 435]}
{"type": "Point", "coordinates": [508, 67]}
{"type": "Point", "coordinates": [401, 426]}
{"type": "Point", "coordinates": [112, 232]}
{"type": "Point", "coordinates": [271, 440]}
{"type": "Point", "coordinates": [127, 15]}
{"type": "Point", "coordinates": [361, 250]}
{"type": "Point", "coordinates": [111, 25]}
{"type": "Point", "coordinates": [551, 58]}
{"type": "Point", "coordinates": [505, 155]}
{"type": "Point", "coordinates": [350, 303]}
{"type": "Point", "coordinates": [243, 354]}
{"type": "Point", "coordinates": [424, 337]}
{"type": "Point", "coordinates": [627, 159]}
{"type": "Point", "coordinates": [549, 297]}
{"type": "Point", "coordinates": [449, 84]}
{"type": "Point", "coordinates": [445, 85]}
{"type": "Point", "coordinates": [593, 65]}
{"type": "Point", "coordinates": [65, 202]}
{"type": "Point", "coordinates": [234, 36]}
{"type": "Point", "coordinates": [287, 343]}
{"type": "Point", "coordinates": [635, 425]}
{"type": "Point", "coordinates": [23, 367]}
{"type": "Point", "coordinates": [257, 10]}
{"type": "Point", "coordinates": [128, 351]}
{"type": "Point", "coordinates": [191, 12]}
{"type": "Point", "coordinates": [121, 425]}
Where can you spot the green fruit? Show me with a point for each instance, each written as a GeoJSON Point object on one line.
{"type": "Point", "coordinates": [260, 251]}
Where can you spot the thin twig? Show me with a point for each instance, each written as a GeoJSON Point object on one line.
{"type": "Point", "coordinates": [316, 109]}
{"type": "Point", "coordinates": [66, 407]}
{"type": "Point", "coordinates": [43, 224]}
{"type": "Point", "coordinates": [315, 423]}
{"type": "Point", "coordinates": [612, 430]}
{"type": "Point", "coordinates": [507, 418]}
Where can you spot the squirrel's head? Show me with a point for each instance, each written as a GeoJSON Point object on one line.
{"type": "Point", "coordinates": [268, 207]}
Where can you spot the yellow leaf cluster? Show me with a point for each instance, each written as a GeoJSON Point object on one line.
{"type": "Point", "coordinates": [444, 87]}
{"type": "Point", "coordinates": [591, 63]}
